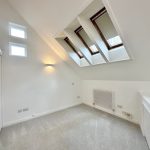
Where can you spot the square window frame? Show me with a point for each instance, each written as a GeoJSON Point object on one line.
{"type": "Point", "coordinates": [19, 45]}
{"type": "Point", "coordinates": [17, 26]}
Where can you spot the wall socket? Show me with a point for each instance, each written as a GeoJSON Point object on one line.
{"type": "Point", "coordinates": [120, 106]}
{"type": "Point", "coordinates": [127, 114]}
{"type": "Point", "coordinates": [23, 110]}
{"type": "Point", "coordinates": [19, 110]}
{"type": "Point", "coordinates": [78, 97]}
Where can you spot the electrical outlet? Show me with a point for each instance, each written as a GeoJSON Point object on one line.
{"type": "Point", "coordinates": [78, 97]}
{"type": "Point", "coordinates": [120, 106]}
{"type": "Point", "coordinates": [127, 114]}
{"type": "Point", "coordinates": [25, 109]}
{"type": "Point", "coordinates": [113, 110]}
{"type": "Point", "coordinates": [19, 110]}
{"type": "Point", "coordinates": [33, 116]}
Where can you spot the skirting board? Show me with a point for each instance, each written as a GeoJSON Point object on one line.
{"type": "Point", "coordinates": [111, 112]}
{"type": "Point", "coordinates": [7, 124]}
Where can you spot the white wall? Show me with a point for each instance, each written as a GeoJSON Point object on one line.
{"type": "Point", "coordinates": [27, 83]}
{"type": "Point", "coordinates": [0, 92]}
{"type": "Point", "coordinates": [126, 94]}
{"type": "Point", "coordinates": [128, 77]}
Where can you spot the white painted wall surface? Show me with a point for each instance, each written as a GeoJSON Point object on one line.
{"type": "Point", "coordinates": [26, 81]}
{"type": "Point", "coordinates": [125, 94]}
{"type": "Point", "coordinates": [27, 84]}
{"type": "Point", "coordinates": [0, 91]}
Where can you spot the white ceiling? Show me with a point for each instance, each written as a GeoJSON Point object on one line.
{"type": "Point", "coordinates": [49, 17]}
{"type": "Point", "coordinates": [52, 16]}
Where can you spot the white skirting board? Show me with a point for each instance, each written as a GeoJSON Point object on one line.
{"type": "Point", "coordinates": [56, 110]}
{"type": "Point", "coordinates": [7, 124]}
{"type": "Point", "coordinates": [112, 113]}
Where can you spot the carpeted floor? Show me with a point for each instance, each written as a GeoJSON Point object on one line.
{"type": "Point", "coordinates": [76, 128]}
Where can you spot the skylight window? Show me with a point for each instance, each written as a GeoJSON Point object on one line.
{"type": "Point", "coordinates": [80, 54]}
{"type": "Point", "coordinates": [106, 29]}
{"type": "Point", "coordinates": [17, 50]}
{"type": "Point", "coordinates": [17, 31]}
{"type": "Point", "coordinates": [71, 45]}
{"type": "Point", "coordinates": [94, 49]}
{"type": "Point", "coordinates": [88, 43]}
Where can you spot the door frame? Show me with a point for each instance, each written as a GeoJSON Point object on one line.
{"type": "Point", "coordinates": [1, 104]}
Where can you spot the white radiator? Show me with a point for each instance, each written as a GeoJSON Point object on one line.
{"type": "Point", "coordinates": [103, 99]}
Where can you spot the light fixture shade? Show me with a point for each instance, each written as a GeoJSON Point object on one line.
{"type": "Point", "coordinates": [49, 65]}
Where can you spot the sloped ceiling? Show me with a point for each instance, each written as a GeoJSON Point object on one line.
{"type": "Point", "coordinates": [49, 16]}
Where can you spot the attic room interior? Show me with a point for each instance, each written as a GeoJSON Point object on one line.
{"type": "Point", "coordinates": [74, 75]}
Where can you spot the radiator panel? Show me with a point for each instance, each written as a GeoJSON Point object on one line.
{"type": "Point", "coordinates": [103, 99]}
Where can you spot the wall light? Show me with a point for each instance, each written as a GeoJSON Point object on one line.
{"type": "Point", "coordinates": [49, 65]}
{"type": "Point", "coordinates": [49, 68]}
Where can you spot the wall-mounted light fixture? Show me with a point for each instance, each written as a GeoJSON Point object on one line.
{"type": "Point", "coordinates": [49, 65]}
{"type": "Point", "coordinates": [49, 68]}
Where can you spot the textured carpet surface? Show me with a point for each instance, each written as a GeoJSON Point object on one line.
{"type": "Point", "coordinates": [76, 128]}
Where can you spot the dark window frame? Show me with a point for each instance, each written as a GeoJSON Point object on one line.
{"type": "Point", "coordinates": [72, 47]}
{"type": "Point", "coordinates": [93, 20]}
{"type": "Point", "coordinates": [83, 41]}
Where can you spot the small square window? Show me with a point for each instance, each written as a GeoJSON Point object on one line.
{"type": "Point", "coordinates": [17, 50]}
{"type": "Point", "coordinates": [17, 31]}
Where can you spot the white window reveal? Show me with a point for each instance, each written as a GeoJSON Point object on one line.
{"type": "Point", "coordinates": [18, 31]}
{"type": "Point", "coordinates": [17, 50]}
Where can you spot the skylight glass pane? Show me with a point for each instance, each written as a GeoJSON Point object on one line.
{"type": "Point", "coordinates": [80, 54]}
{"type": "Point", "coordinates": [17, 31]}
{"type": "Point", "coordinates": [94, 48]}
{"type": "Point", "coordinates": [17, 50]}
{"type": "Point", "coordinates": [73, 47]}
{"type": "Point", "coordinates": [107, 28]}
{"type": "Point", "coordinates": [86, 37]}
{"type": "Point", "coordinates": [115, 40]}
{"type": "Point", "coordinates": [88, 41]}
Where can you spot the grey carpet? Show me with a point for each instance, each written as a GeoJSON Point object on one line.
{"type": "Point", "coordinates": [76, 128]}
